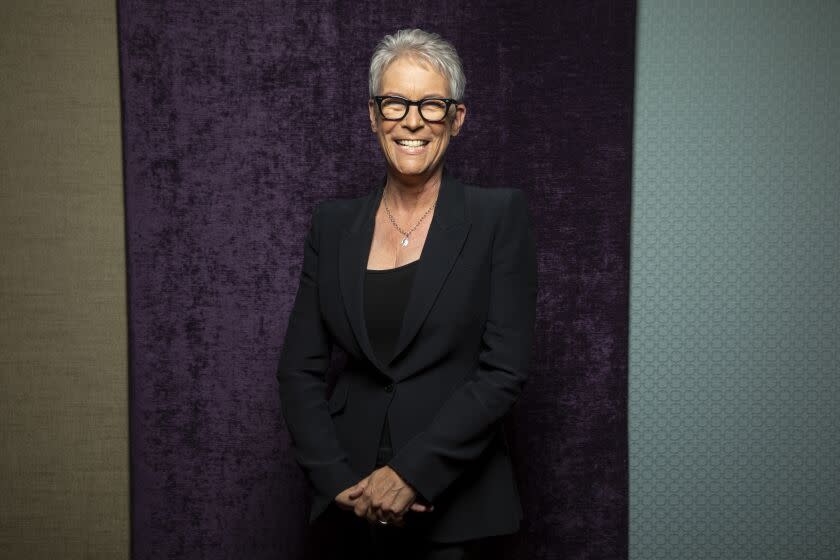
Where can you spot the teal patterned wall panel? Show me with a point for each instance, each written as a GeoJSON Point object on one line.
{"type": "Point", "coordinates": [734, 336]}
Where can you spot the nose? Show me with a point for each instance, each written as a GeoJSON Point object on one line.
{"type": "Point", "coordinates": [412, 119]}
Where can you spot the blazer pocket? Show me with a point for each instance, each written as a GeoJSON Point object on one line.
{"type": "Point", "coordinates": [339, 397]}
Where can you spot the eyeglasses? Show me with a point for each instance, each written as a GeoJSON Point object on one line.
{"type": "Point", "coordinates": [432, 109]}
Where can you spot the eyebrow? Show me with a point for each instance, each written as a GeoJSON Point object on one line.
{"type": "Point", "coordinates": [395, 94]}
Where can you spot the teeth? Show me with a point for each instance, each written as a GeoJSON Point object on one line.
{"type": "Point", "coordinates": [412, 143]}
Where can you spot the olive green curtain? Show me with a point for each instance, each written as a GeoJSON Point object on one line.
{"type": "Point", "coordinates": [64, 489]}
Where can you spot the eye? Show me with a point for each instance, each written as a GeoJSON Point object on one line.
{"type": "Point", "coordinates": [393, 107]}
{"type": "Point", "coordinates": [433, 109]}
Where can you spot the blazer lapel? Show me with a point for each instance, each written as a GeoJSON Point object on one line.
{"type": "Point", "coordinates": [353, 252]}
{"type": "Point", "coordinates": [446, 237]}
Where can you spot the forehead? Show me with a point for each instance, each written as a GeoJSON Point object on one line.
{"type": "Point", "coordinates": [414, 78]}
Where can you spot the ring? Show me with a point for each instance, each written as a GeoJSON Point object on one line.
{"type": "Point", "coordinates": [383, 522]}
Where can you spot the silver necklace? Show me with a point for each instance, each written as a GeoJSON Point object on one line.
{"type": "Point", "coordinates": [404, 241]}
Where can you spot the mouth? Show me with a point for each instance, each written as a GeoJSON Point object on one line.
{"type": "Point", "coordinates": [412, 146]}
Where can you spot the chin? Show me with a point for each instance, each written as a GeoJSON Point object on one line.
{"type": "Point", "coordinates": [412, 168]}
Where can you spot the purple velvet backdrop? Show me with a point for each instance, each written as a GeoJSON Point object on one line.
{"type": "Point", "coordinates": [238, 117]}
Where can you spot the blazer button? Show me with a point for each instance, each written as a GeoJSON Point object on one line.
{"type": "Point", "coordinates": [389, 388]}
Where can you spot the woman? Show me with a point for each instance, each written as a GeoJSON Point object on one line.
{"type": "Point", "coordinates": [429, 286]}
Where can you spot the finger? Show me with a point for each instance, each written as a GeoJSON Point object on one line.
{"type": "Point", "coordinates": [359, 510]}
{"type": "Point", "coordinates": [392, 506]}
{"type": "Point", "coordinates": [382, 510]}
{"type": "Point", "coordinates": [371, 516]}
{"type": "Point", "coordinates": [370, 509]}
{"type": "Point", "coordinates": [379, 497]}
{"type": "Point", "coordinates": [408, 501]}
{"type": "Point", "coordinates": [386, 508]}
{"type": "Point", "coordinates": [360, 506]}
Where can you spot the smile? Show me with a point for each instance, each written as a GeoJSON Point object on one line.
{"type": "Point", "coordinates": [412, 147]}
{"type": "Point", "coordinates": [412, 143]}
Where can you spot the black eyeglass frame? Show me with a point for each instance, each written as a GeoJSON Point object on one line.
{"type": "Point", "coordinates": [408, 103]}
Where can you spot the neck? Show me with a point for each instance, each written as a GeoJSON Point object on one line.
{"type": "Point", "coordinates": [407, 192]}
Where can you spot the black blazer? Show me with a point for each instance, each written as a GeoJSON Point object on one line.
{"type": "Point", "coordinates": [460, 362]}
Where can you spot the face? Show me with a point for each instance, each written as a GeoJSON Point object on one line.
{"type": "Point", "coordinates": [413, 80]}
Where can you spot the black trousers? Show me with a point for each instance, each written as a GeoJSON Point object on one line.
{"type": "Point", "coordinates": [355, 538]}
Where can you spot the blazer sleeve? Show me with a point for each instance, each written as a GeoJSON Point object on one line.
{"type": "Point", "coordinates": [301, 374]}
{"type": "Point", "coordinates": [467, 423]}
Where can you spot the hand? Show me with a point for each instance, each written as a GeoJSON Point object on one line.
{"type": "Point", "coordinates": [381, 495]}
{"type": "Point", "coordinates": [384, 495]}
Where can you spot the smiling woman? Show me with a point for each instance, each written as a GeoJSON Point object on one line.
{"type": "Point", "coordinates": [429, 286]}
{"type": "Point", "coordinates": [410, 115]}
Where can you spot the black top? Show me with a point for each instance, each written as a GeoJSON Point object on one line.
{"type": "Point", "coordinates": [386, 296]}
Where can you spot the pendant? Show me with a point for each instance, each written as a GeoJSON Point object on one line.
{"type": "Point", "coordinates": [404, 242]}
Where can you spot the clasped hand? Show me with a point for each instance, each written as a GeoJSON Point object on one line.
{"type": "Point", "coordinates": [382, 495]}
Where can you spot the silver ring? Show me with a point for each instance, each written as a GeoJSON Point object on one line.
{"type": "Point", "coordinates": [383, 522]}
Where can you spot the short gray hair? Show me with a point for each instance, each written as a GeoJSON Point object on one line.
{"type": "Point", "coordinates": [428, 47]}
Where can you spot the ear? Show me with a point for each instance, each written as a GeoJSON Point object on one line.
{"type": "Point", "coordinates": [372, 114]}
{"type": "Point", "coordinates": [458, 120]}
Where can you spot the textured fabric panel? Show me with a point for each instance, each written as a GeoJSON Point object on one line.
{"type": "Point", "coordinates": [64, 490]}
{"type": "Point", "coordinates": [734, 388]}
{"type": "Point", "coordinates": [239, 117]}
